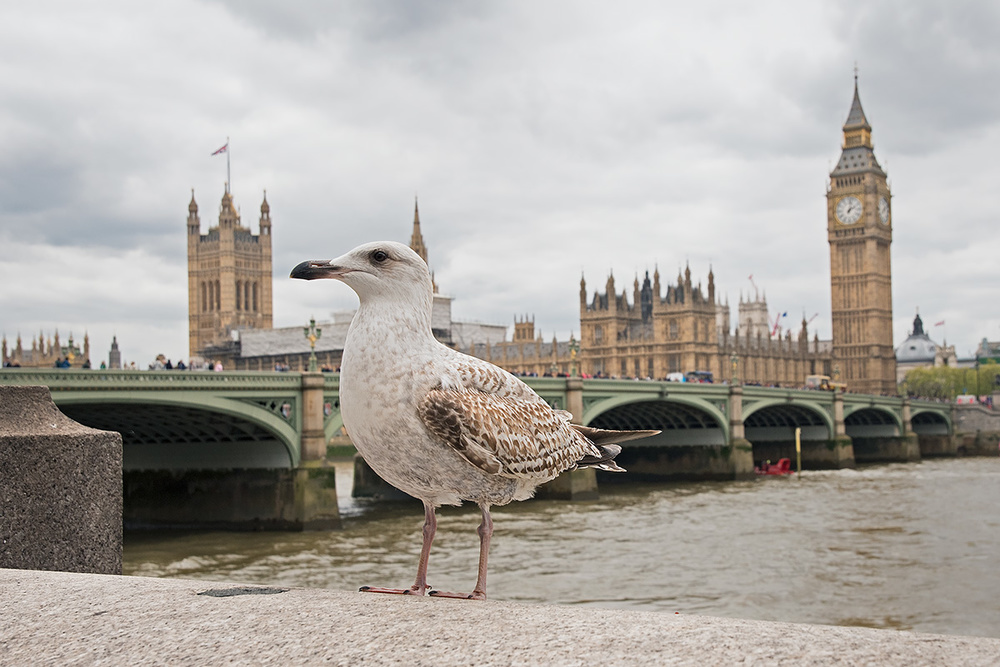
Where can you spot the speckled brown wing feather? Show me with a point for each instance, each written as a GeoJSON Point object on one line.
{"type": "Point", "coordinates": [505, 435]}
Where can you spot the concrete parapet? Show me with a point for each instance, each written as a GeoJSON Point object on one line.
{"type": "Point", "coordinates": [60, 488]}
{"type": "Point", "coordinates": [67, 618]}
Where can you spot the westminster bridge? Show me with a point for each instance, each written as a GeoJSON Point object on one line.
{"type": "Point", "coordinates": [184, 424]}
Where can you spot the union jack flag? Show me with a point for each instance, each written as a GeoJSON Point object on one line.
{"type": "Point", "coordinates": [222, 150]}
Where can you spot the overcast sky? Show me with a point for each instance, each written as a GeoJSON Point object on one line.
{"type": "Point", "coordinates": [544, 139]}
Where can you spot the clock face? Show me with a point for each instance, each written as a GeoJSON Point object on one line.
{"type": "Point", "coordinates": [883, 210]}
{"type": "Point", "coordinates": [849, 210]}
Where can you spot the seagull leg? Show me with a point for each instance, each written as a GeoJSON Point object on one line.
{"type": "Point", "coordinates": [420, 585]}
{"type": "Point", "coordinates": [485, 531]}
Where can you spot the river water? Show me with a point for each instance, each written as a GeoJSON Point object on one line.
{"type": "Point", "coordinates": [906, 546]}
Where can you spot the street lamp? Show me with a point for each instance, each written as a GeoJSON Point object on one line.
{"type": "Point", "coordinates": [574, 347]}
{"type": "Point", "coordinates": [312, 333]}
{"type": "Point", "coordinates": [734, 363]}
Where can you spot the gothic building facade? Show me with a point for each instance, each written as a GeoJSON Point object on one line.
{"type": "Point", "coordinates": [229, 276]}
{"type": "Point", "coordinates": [679, 328]}
{"type": "Point", "coordinates": [45, 352]}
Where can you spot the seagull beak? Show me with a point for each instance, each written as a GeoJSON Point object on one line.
{"type": "Point", "coordinates": [314, 269]}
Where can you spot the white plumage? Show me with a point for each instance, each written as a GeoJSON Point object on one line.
{"type": "Point", "coordinates": [438, 424]}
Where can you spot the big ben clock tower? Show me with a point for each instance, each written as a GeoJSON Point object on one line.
{"type": "Point", "coordinates": [859, 228]}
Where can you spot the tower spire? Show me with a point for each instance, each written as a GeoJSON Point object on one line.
{"type": "Point", "coordinates": [416, 238]}
{"type": "Point", "coordinates": [857, 130]}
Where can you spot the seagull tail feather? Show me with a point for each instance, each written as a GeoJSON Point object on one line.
{"type": "Point", "coordinates": [606, 460]}
{"type": "Point", "coordinates": [603, 436]}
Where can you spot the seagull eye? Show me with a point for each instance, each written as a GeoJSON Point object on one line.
{"type": "Point", "coordinates": [379, 256]}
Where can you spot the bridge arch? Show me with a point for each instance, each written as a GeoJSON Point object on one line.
{"type": "Point", "coordinates": [872, 422]}
{"type": "Point", "coordinates": [927, 422]}
{"type": "Point", "coordinates": [777, 419]}
{"type": "Point", "coordinates": [162, 431]}
{"type": "Point", "coordinates": [681, 420]}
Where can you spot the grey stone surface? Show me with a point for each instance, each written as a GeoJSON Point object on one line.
{"type": "Point", "coordinates": [82, 619]}
{"type": "Point", "coordinates": [972, 418]}
{"type": "Point", "coordinates": [60, 488]}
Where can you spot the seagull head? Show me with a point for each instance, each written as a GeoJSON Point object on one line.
{"type": "Point", "coordinates": [376, 271]}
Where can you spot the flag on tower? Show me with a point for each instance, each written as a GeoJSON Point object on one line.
{"type": "Point", "coordinates": [222, 150]}
{"type": "Point", "coordinates": [939, 324]}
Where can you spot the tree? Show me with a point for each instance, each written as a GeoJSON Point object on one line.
{"type": "Point", "coordinates": [947, 382]}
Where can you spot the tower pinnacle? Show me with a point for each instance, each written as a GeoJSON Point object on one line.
{"type": "Point", "coordinates": [416, 238]}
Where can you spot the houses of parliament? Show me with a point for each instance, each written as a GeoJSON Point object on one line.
{"type": "Point", "coordinates": [658, 329]}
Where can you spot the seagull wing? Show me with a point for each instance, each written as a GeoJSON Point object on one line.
{"type": "Point", "coordinates": [505, 435]}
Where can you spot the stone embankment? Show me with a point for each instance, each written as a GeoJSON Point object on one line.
{"type": "Point", "coordinates": [80, 619]}
{"type": "Point", "coordinates": [979, 429]}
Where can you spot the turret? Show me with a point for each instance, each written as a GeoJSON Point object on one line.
{"type": "Point", "coordinates": [193, 222]}
{"type": "Point", "coordinates": [646, 299]}
{"type": "Point", "coordinates": [265, 218]}
{"type": "Point", "coordinates": [228, 216]}
{"type": "Point", "coordinates": [115, 355]}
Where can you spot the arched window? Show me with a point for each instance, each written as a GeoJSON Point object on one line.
{"type": "Point", "coordinates": [246, 295]}
{"type": "Point", "coordinates": [255, 297]}
{"type": "Point", "coordinates": [239, 288]}
{"type": "Point", "coordinates": [204, 297]}
{"type": "Point", "coordinates": [218, 295]}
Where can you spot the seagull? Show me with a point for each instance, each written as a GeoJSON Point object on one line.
{"type": "Point", "coordinates": [443, 426]}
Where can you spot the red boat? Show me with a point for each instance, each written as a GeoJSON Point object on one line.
{"type": "Point", "coordinates": [782, 467]}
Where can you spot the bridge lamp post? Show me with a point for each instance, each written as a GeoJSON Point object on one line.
{"type": "Point", "coordinates": [734, 363]}
{"type": "Point", "coordinates": [312, 333]}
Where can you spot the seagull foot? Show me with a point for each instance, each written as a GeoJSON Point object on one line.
{"type": "Point", "coordinates": [391, 591]}
{"type": "Point", "coordinates": [475, 595]}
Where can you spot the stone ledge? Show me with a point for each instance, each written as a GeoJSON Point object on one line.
{"type": "Point", "coordinates": [65, 618]}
